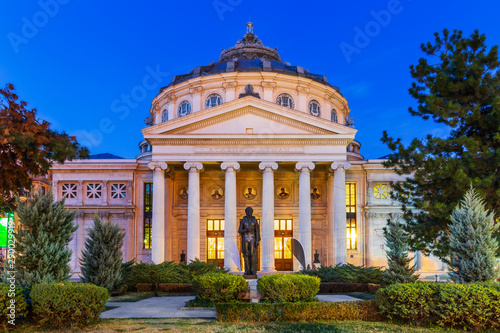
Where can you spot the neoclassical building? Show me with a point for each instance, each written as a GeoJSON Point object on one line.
{"type": "Point", "coordinates": [249, 130]}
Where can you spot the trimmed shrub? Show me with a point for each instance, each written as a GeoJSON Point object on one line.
{"type": "Point", "coordinates": [288, 287]}
{"type": "Point", "coordinates": [471, 306]}
{"type": "Point", "coordinates": [6, 297]}
{"type": "Point", "coordinates": [219, 288]}
{"type": "Point", "coordinates": [143, 287]}
{"type": "Point", "coordinates": [175, 287]}
{"type": "Point", "coordinates": [297, 312]}
{"type": "Point", "coordinates": [60, 304]}
{"type": "Point", "coordinates": [333, 287]}
{"type": "Point", "coordinates": [347, 273]}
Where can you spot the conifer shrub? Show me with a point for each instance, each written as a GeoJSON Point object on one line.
{"type": "Point", "coordinates": [12, 302]}
{"type": "Point", "coordinates": [219, 287]}
{"type": "Point", "coordinates": [63, 304]}
{"type": "Point", "coordinates": [297, 312]}
{"type": "Point", "coordinates": [347, 273]}
{"type": "Point", "coordinates": [288, 287]}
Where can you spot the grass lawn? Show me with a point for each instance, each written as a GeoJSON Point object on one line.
{"type": "Point", "coordinates": [204, 325]}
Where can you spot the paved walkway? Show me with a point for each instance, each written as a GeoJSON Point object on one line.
{"type": "Point", "coordinates": [170, 307]}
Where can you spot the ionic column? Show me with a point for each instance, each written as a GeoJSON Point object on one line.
{"type": "Point", "coordinates": [55, 191]}
{"type": "Point", "coordinates": [267, 224]}
{"type": "Point", "coordinates": [331, 220]}
{"type": "Point", "coordinates": [79, 193]}
{"type": "Point", "coordinates": [305, 169]}
{"type": "Point", "coordinates": [230, 232]}
{"type": "Point", "coordinates": [158, 227]}
{"type": "Point", "coordinates": [339, 211]}
{"type": "Point", "coordinates": [193, 222]}
{"type": "Point", "coordinates": [104, 192]}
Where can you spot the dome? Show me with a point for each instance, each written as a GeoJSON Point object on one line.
{"type": "Point", "coordinates": [249, 55]}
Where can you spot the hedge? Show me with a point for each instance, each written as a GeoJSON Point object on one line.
{"type": "Point", "coordinates": [219, 288]}
{"type": "Point", "coordinates": [297, 312]}
{"type": "Point", "coordinates": [288, 287]}
{"type": "Point", "coordinates": [12, 303]}
{"type": "Point", "coordinates": [333, 287]}
{"type": "Point", "coordinates": [347, 273]}
{"type": "Point", "coordinates": [60, 304]}
{"type": "Point", "coordinates": [470, 306]}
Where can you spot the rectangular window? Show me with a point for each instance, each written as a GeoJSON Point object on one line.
{"type": "Point", "coordinates": [94, 191]}
{"type": "Point", "coordinates": [350, 195]}
{"type": "Point", "coordinates": [69, 191]}
{"type": "Point", "coordinates": [118, 191]}
{"type": "Point", "coordinates": [215, 241]}
{"type": "Point", "coordinates": [381, 191]}
{"type": "Point", "coordinates": [148, 214]}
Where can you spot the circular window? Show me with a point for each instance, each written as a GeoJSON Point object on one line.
{"type": "Point", "coordinates": [184, 109]}
{"type": "Point", "coordinates": [286, 101]}
{"type": "Point", "coordinates": [334, 116]}
{"type": "Point", "coordinates": [164, 116]}
{"type": "Point", "coordinates": [314, 108]}
{"type": "Point", "coordinates": [213, 100]}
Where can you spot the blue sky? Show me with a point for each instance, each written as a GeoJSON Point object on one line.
{"type": "Point", "coordinates": [74, 60]}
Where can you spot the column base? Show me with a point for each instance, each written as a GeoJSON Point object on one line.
{"type": "Point", "coordinates": [268, 270]}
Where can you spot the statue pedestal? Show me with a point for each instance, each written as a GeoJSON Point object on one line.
{"type": "Point", "coordinates": [252, 290]}
{"type": "Point", "coordinates": [250, 277]}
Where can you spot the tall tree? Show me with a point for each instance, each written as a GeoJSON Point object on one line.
{"type": "Point", "coordinates": [455, 84]}
{"type": "Point", "coordinates": [472, 245]}
{"type": "Point", "coordinates": [41, 247]}
{"type": "Point", "coordinates": [399, 268]}
{"type": "Point", "coordinates": [28, 147]}
{"type": "Point", "coordinates": [101, 260]}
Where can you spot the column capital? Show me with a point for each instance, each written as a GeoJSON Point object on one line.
{"type": "Point", "coordinates": [341, 164]}
{"type": "Point", "coordinates": [193, 165]}
{"type": "Point", "coordinates": [268, 165]}
{"type": "Point", "coordinates": [230, 164]}
{"type": "Point", "coordinates": [301, 165]}
{"type": "Point", "coordinates": [157, 164]}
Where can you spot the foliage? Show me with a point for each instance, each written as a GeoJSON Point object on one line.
{"type": "Point", "coordinates": [399, 269]}
{"type": "Point", "coordinates": [28, 147]}
{"type": "Point", "coordinates": [296, 312]}
{"type": "Point", "coordinates": [335, 287]}
{"type": "Point", "coordinates": [347, 273]}
{"type": "Point", "coordinates": [168, 272]}
{"type": "Point", "coordinates": [6, 296]}
{"type": "Point", "coordinates": [219, 288]}
{"type": "Point", "coordinates": [42, 241]}
{"type": "Point", "coordinates": [457, 85]}
{"type": "Point", "coordinates": [63, 304]}
{"type": "Point", "coordinates": [101, 260]}
{"type": "Point", "coordinates": [472, 244]}
{"type": "Point", "coordinates": [288, 287]}
{"type": "Point", "coordinates": [471, 306]}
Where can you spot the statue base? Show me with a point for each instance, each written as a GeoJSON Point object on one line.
{"type": "Point", "coordinates": [250, 277]}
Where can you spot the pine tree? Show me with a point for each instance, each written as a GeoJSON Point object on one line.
{"type": "Point", "coordinates": [455, 84]}
{"type": "Point", "coordinates": [472, 244]}
{"type": "Point", "coordinates": [101, 260]}
{"type": "Point", "coordinates": [42, 253]}
{"type": "Point", "coordinates": [396, 240]}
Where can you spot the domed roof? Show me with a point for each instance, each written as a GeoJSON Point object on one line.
{"type": "Point", "coordinates": [249, 55]}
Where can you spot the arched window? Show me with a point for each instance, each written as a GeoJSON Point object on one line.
{"type": "Point", "coordinates": [184, 109]}
{"type": "Point", "coordinates": [286, 101]}
{"type": "Point", "coordinates": [213, 100]}
{"type": "Point", "coordinates": [314, 108]}
{"type": "Point", "coordinates": [334, 116]}
{"type": "Point", "coordinates": [164, 116]}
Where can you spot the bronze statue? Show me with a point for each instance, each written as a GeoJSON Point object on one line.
{"type": "Point", "coordinates": [250, 238]}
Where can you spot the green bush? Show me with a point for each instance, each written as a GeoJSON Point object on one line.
{"type": "Point", "coordinates": [296, 312]}
{"type": "Point", "coordinates": [60, 304]}
{"type": "Point", "coordinates": [334, 287]}
{"type": "Point", "coordinates": [288, 287]}
{"type": "Point", "coordinates": [8, 309]}
{"type": "Point", "coordinates": [347, 273]}
{"type": "Point", "coordinates": [167, 272]}
{"type": "Point", "coordinates": [218, 287]}
{"type": "Point", "coordinates": [470, 306]}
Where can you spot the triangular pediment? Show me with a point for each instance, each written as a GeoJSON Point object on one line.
{"type": "Point", "coordinates": [249, 116]}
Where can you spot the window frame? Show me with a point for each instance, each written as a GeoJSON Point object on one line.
{"type": "Point", "coordinates": [309, 108]}
{"type": "Point", "coordinates": [208, 103]}
{"type": "Point", "coordinates": [280, 97]}
{"type": "Point", "coordinates": [188, 108]}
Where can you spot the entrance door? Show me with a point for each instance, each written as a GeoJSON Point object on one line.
{"type": "Point", "coordinates": [283, 231]}
{"type": "Point", "coordinates": [215, 242]}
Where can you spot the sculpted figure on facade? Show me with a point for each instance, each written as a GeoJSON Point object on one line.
{"type": "Point", "coordinates": [250, 238]}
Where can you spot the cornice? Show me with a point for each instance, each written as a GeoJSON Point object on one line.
{"type": "Point", "coordinates": [250, 141]}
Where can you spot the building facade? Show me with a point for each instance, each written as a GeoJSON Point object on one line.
{"type": "Point", "coordinates": [249, 130]}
